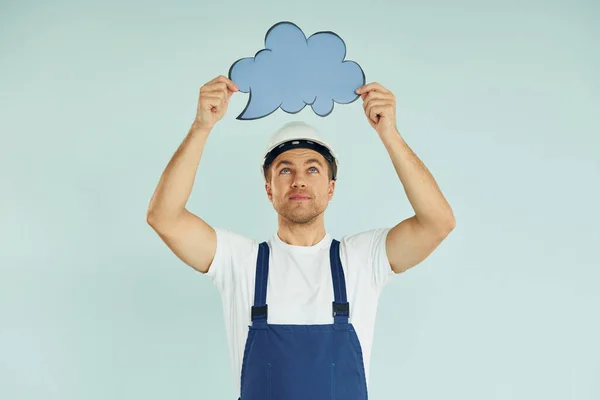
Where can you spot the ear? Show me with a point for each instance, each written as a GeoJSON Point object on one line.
{"type": "Point", "coordinates": [269, 191]}
{"type": "Point", "coordinates": [331, 189]}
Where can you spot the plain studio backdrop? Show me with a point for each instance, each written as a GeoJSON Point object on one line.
{"type": "Point", "coordinates": [499, 100]}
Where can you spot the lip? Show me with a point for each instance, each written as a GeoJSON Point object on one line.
{"type": "Point", "coordinates": [299, 198]}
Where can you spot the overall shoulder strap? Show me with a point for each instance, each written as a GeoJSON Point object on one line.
{"type": "Point", "coordinates": [341, 307]}
{"type": "Point", "coordinates": [259, 310]}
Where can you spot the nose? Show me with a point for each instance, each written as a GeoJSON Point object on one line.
{"type": "Point", "coordinates": [298, 181]}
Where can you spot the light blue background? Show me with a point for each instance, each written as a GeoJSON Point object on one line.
{"type": "Point", "coordinates": [499, 101]}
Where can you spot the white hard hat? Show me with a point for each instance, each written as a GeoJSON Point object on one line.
{"type": "Point", "coordinates": [298, 135]}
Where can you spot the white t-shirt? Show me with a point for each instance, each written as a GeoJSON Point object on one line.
{"type": "Point", "coordinates": [299, 287]}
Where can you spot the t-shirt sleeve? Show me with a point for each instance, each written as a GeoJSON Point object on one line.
{"type": "Point", "coordinates": [371, 247]}
{"type": "Point", "coordinates": [220, 267]}
{"type": "Point", "coordinates": [380, 264]}
{"type": "Point", "coordinates": [225, 269]}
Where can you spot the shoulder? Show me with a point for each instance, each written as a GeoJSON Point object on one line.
{"type": "Point", "coordinates": [232, 250]}
{"type": "Point", "coordinates": [365, 240]}
{"type": "Point", "coordinates": [237, 241]}
{"type": "Point", "coordinates": [366, 251]}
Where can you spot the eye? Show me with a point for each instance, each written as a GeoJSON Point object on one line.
{"type": "Point", "coordinates": [286, 169]}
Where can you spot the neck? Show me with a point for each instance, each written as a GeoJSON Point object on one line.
{"type": "Point", "coordinates": [307, 234]}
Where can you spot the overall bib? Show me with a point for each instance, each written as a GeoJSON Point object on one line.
{"type": "Point", "coordinates": [302, 362]}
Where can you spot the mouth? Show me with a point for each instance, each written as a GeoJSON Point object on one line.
{"type": "Point", "coordinates": [299, 198]}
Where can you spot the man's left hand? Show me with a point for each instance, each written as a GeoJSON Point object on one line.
{"type": "Point", "coordinates": [380, 107]}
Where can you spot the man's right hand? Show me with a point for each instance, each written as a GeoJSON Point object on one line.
{"type": "Point", "coordinates": [213, 102]}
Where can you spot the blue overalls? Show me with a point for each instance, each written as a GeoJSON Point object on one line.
{"type": "Point", "coordinates": [302, 362]}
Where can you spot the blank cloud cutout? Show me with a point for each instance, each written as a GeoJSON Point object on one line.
{"type": "Point", "coordinates": [293, 71]}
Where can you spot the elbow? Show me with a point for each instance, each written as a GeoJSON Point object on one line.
{"type": "Point", "coordinates": [442, 225]}
{"type": "Point", "coordinates": [150, 218]}
{"type": "Point", "coordinates": [451, 224]}
{"type": "Point", "coordinates": [153, 217]}
{"type": "Point", "coordinates": [446, 221]}
{"type": "Point", "coordinates": [447, 227]}
{"type": "Point", "coordinates": [157, 219]}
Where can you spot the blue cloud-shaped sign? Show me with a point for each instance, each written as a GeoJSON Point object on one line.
{"type": "Point", "coordinates": [293, 71]}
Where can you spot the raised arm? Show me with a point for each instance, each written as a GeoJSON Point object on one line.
{"type": "Point", "coordinates": [412, 240]}
{"type": "Point", "coordinates": [186, 234]}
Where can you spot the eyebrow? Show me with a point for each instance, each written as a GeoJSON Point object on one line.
{"type": "Point", "coordinates": [309, 161]}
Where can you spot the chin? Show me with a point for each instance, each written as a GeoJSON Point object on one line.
{"type": "Point", "coordinates": [300, 216]}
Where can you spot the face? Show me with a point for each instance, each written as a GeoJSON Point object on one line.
{"type": "Point", "coordinates": [300, 172]}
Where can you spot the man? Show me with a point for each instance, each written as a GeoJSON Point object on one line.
{"type": "Point", "coordinates": [300, 308]}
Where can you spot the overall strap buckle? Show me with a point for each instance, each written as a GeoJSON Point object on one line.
{"type": "Point", "coordinates": [340, 309]}
{"type": "Point", "coordinates": [259, 312]}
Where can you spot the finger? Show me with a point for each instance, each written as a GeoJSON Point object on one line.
{"type": "Point", "coordinates": [211, 102]}
{"type": "Point", "coordinates": [221, 80]}
{"type": "Point", "coordinates": [222, 93]}
{"type": "Point", "coordinates": [372, 86]}
{"type": "Point", "coordinates": [375, 102]}
{"type": "Point", "coordinates": [369, 108]}
{"type": "Point", "coordinates": [230, 84]}
{"type": "Point", "coordinates": [377, 111]}
{"type": "Point", "coordinates": [377, 94]}
{"type": "Point", "coordinates": [216, 86]}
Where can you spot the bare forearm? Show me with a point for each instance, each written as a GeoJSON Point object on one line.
{"type": "Point", "coordinates": [421, 189]}
{"type": "Point", "coordinates": [175, 185]}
